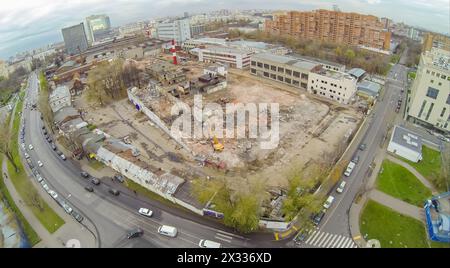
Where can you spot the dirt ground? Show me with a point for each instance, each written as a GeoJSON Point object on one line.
{"type": "Point", "coordinates": [310, 130]}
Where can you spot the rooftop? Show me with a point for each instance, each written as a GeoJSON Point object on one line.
{"type": "Point", "coordinates": [60, 92]}
{"type": "Point", "coordinates": [357, 72]}
{"type": "Point", "coordinates": [407, 139]}
{"type": "Point", "coordinates": [333, 74]}
{"type": "Point", "coordinates": [289, 60]}
{"type": "Point", "coordinates": [225, 50]}
{"type": "Point", "coordinates": [369, 87]}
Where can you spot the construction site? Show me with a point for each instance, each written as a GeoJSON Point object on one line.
{"type": "Point", "coordinates": [312, 132]}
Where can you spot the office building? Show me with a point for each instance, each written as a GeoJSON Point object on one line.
{"type": "Point", "coordinates": [429, 101]}
{"type": "Point", "coordinates": [197, 29]}
{"type": "Point", "coordinates": [340, 27]}
{"type": "Point", "coordinates": [97, 27]}
{"type": "Point", "coordinates": [75, 39]}
{"type": "Point", "coordinates": [431, 40]}
{"type": "Point", "coordinates": [178, 30]}
{"type": "Point", "coordinates": [234, 58]}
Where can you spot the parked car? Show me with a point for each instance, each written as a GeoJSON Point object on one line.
{"type": "Point", "coordinates": [46, 188]}
{"type": "Point", "coordinates": [30, 147]}
{"type": "Point", "coordinates": [113, 191]}
{"type": "Point", "coordinates": [26, 155]}
{"type": "Point", "coordinates": [67, 208]}
{"type": "Point", "coordinates": [53, 146]}
{"type": "Point", "coordinates": [39, 178]}
{"type": "Point", "coordinates": [53, 194]}
{"type": "Point", "coordinates": [135, 233]}
{"type": "Point", "coordinates": [355, 159]}
{"type": "Point", "coordinates": [119, 178]}
{"type": "Point", "coordinates": [317, 218]}
{"type": "Point", "coordinates": [84, 174]}
{"type": "Point", "coordinates": [95, 181]}
{"type": "Point", "coordinates": [362, 147]}
{"type": "Point", "coordinates": [341, 187]}
{"type": "Point", "coordinates": [63, 157]}
{"type": "Point", "coordinates": [40, 163]}
{"type": "Point", "coordinates": [77, 216]}
{"type": "Point", "coordinates": [349, 169]}
{"type": "Point", "coordinates": [89, 188]}
{"type": "Point", "coordinates": [328, 202]}
{"type": "Point", "coordinates": [301, 236]}
{"type": "Point", "coordinates": [145, 212]}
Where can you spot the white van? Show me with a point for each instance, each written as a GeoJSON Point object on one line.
{"type": "Point", "coordinates": [167, 230]}
{"type": "Point", "coordinates": [209, 244]}
{"type": "Point", "coordinates": [340, 189]}
{"type": "Point", "coordinates": [329, 201]}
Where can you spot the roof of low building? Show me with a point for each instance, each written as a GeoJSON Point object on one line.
{"type": "Point", "coordinates": [369, 87]}
{"type": "Point", "coordinates": [357, 72]}
{"type": "Point", "coordinates": [65, 112]}
{"type": "Point", "coordinates": [407, 139]}
{"type": "Point", "coordinates": [288, 60]}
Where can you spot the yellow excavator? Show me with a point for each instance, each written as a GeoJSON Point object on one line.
{"type": "Point", "coordinates": [218, 147]}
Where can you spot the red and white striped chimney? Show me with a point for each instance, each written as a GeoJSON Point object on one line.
{"type": "Point", "coordinates": [174, 52]}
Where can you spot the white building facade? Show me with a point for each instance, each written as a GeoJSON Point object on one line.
{"type": "Point", "coordinates": [334, 85]}
{"type": "Point", "coordinates": [234, 58]}
{"type": "Point", "coordinates": [178, 30]}
{"type": "Point", "coordinates": [405, 144]}
{"type": "Point", "coordinates": [59, 98]}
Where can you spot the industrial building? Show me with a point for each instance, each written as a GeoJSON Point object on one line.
{"type": "Point", "coordinates": [405, 144]}
{"type": "Point", "coordinates": [334, 85]}
{"type": "Point", "coordinates": [234, 58]}
{"type": "Point", "coordinates": [178, 30]}
{"type": "Point", "coordinates": [429, 101]}
{"type": "Point", "coordinates": [59, 98]}
{"type": "Point", "coordinates": [341, 27]}
{"type": "Point", "coordinates": [289, 70]}
{"type": "Point", "coordinates": [75, 39]}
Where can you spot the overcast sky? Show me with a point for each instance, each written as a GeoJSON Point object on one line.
{"type": "Point", "coordinates": [28, 24]}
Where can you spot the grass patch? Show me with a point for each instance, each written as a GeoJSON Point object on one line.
{"type": "Point", "coordinates": [430, 167]}
{"type": "Point", "coordinates": [412, 75]}
{"type": "Point", "coordinates": [32, 236]}
{"type": "Point", "coordinates": [49, 219]}
{"type": "Point", "coordinates": [397, 181]}
{"type": "Point", "coordinates": [392, 229]}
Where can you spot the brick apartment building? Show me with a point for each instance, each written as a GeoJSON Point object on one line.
{"type": "Point", "coordinates": [340, 27]}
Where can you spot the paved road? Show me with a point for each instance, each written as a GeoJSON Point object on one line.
{"type": "Point", "coordinates": [111, 217]}
{"type": "Point", "coordinates": [336, 220]}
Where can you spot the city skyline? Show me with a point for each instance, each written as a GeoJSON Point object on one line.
{"type": "Point", "coordinates": [41, 21]}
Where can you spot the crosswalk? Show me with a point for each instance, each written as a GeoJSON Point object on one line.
{"type": "Point", "coordinates": [327, 240]}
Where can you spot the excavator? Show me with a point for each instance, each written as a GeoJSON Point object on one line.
{"type": "Point", "coordinates": [218, 147]}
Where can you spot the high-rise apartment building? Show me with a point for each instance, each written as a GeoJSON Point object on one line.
{"type": "Point", "coordinates": [429, 101]}
{"type": "Point", "coordinates": [75, 39]}
{"type": "Point", "coordinates": [178, 30]}
{"type": "Point", "coordinates": [431, 40]}
{"type": "Point", "coordinates": [340, 27]}
{"type": "Point", "coordinates": [97, 26]}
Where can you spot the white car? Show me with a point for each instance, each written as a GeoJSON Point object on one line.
{"type": "Point", "coordinates": [340, 189]}
{"type": "Point", "coordinates": [45, 186]}
{"type": "Point", "coordinates": [23, 146]}
{"type": "Point", "coordinates": [39, 163]}
{"type": "Point", "coordinates": [329, 201]}
{"type": "Point", "coordinates": [30, 147]}
{"type": "Point", "coordinates": [26, 155]}
{"type": "Point", "coordinates": [53, 194]}
{"type": "Point", "coordinates": [39, 178]}
{"type": "Point", "coordinates": [146, 212]}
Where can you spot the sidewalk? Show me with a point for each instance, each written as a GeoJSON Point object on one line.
{"type": "Point", "coordinates": [396, 204]}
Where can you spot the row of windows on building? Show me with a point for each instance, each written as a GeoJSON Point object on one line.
{"type": "Point", "coordinates": [325, 82]}
{"type": "Point", "coordinates": [427, 116]}
{"type": "Point", "coordinates": [324, 94]}
{"type": "Point", "coordinates": [438, 75]}
{"type": "Point", "coordinates": [282, 79]}
{"type": "Point", "coordinates": [280, 70]}
{"type": "Point", "coordinates": [219, 55]}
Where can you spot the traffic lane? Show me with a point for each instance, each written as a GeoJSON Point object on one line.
{"type": "Point", "coordinates": [51, 162]}
{"type": "Point", "coordinates": [338, 217]}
